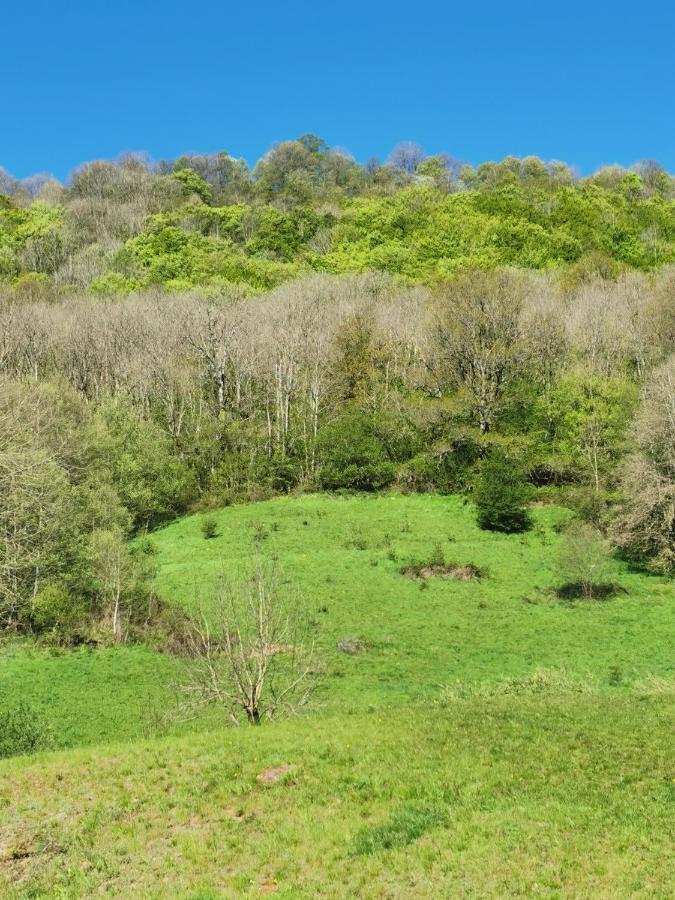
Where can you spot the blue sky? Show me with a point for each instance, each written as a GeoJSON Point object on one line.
{"type": "Point", "coordinates": [590, 83]}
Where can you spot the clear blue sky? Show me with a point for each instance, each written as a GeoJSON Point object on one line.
{"type": "Point", "coordinates": [589, 83]}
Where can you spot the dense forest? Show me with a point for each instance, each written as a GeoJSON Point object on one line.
{"type": "Point", "coordinates": [190, 334]}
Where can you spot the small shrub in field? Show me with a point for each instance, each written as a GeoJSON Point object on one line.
{"type": "Point", "coordinates": [23, 730]}
{"type": "Point", "coordinates": [500, 496]}
{"type": "Point", "coordinates": [260, 532]}
{"type": "Point", "coordinates": [209, 527]}
{"type": "Point", "coordinates": [584, 563]}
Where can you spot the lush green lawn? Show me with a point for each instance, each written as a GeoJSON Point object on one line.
{"type": "Point", "coordinates": [561, 796]}
{"type": "Point", "coordinates": [90, 696]}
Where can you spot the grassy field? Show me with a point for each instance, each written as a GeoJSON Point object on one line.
{"type": "Point", "coordinates": [490, 740]}
{"type": "Point", "coordinates": [509, 797]}
{"type": "Point", "coordinates": [90, 696]}
{"type": "Point", "coordinates": [345, 555]}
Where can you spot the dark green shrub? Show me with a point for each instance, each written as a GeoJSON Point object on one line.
{"type": "Point", "coordinates": [23, 729]}
{"type": "Point", "coordinates": [501, 495]}
{"type": "Point", "coordinates": [353, 456]}
{"type": "Point", "coordinates": [209, 527]}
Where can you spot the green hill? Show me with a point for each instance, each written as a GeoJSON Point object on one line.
{"type": "Point", "coordinates": [485, 739]}
{"type": "Point", "coordinates": [517, 797]}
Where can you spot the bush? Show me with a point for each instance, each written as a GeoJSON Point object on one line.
{"type": "Point", "coordinates": [57, 613]}
{"type": "Point", "coordinates": [353, 456]}
{"type": "Point", "coordinates": [500, 496]}
{"type": "Point", "coordinates": [23, 729]}
{"type": "Point", "coordinates": [209, 527]}
{"type": "Point", "coordinates": [584, 563]}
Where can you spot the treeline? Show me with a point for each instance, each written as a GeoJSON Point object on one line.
{"type": "Point", "coordinates": [211, 223]}
{"type": "Point", "coordinates": [118, 414]}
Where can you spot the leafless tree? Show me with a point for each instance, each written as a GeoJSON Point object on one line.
{"type": "Point", "coordinates": [646, 526]}
{"type": "Point", "coordinates": [249, 649]}
{"type": "Point", "coordinates": [407, 155]}
{"type": "Point", "coordinates": [478, 335]}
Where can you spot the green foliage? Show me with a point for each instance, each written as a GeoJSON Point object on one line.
{"type": "Point", "coordinates": [23, 729]}
{"type": "Point", "coordinates": [354, 456]}
{"type": "Point", "coordinates": [591, 416]}
{"type": "Point", "coordinates": [584, 562]}
{"type": "Point", "coordinates": [135, 455]}
{"type": "Point", "coordinates": [114, 284]}
{"type": "Point", "coordinates": [307, 206]}
{"type": "Point", "coordinates": [59, 614]}
{"type": "Point", "coordinates": [193, 184]}
{"type": "Point", "coordinates": [501, 494]}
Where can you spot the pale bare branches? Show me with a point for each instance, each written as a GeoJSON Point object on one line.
{"type": "Point", "coordinates": [479, 338]}
{"type": "Point", "coordinates": [250, 649]}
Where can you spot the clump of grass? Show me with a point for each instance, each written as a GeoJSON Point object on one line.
{"type": "Point", "coordinates": [655, 686]}
{"type": "Point", "coordinates": [24, 729]}
{"type": "Point", "coordinates": [260, 532]}
{"type": "Point", "coordinates": [540, 681]}
{"type": "Point", "coordinates": [405, 826]}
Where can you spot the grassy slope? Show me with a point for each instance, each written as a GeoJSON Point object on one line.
{"type": "Point", "coordinates": [89, 696]}
{"type": "Point", "coordinates": [498, 798]}
{"type": "Point", "coordinates": [337, 551]}
{"type": "Point", "coordinates": [562, 795]}
{"type": "Point", "coordinates": [420, 639]}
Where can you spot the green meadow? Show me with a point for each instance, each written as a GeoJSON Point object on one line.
{"type": "Point", "coordinates": [345, 556]}
{"type": "Point", "coordinates": [508, 797]}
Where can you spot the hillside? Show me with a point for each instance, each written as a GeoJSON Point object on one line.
{"type": "Point", "coordinates": [414, 637]}
{"type": "Point", "coordinates": [208, 222]}
{"type": "Point", "coordinates": [557, 796]}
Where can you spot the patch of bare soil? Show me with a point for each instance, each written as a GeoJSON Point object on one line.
{"type": "Point", "coordinates": [459, 573]}
{"type": "Point", "coordinates": [273, 774]}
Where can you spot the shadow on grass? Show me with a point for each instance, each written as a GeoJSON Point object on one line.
{"type": "Point", "coordinates": [577, 591]}
{"type": "Point", "coordinates": [405, 826]}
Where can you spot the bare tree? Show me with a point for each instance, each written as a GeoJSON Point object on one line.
{"type": "Point", "coordinates": [478, 337]}
{"type": "Point", "coordinates": [646, 525]}
{"type": "Point", "coordinates": [113, 569]}
{"type": "Point", "coordinates": [407, 156]}
{"type": "Point", "coordinates": [249, 648]}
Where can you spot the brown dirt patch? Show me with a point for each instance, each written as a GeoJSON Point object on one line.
{"type": "Point", "coordinates": [273, 774]}
{"type": "Point", "coordinates": [459, 573]}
